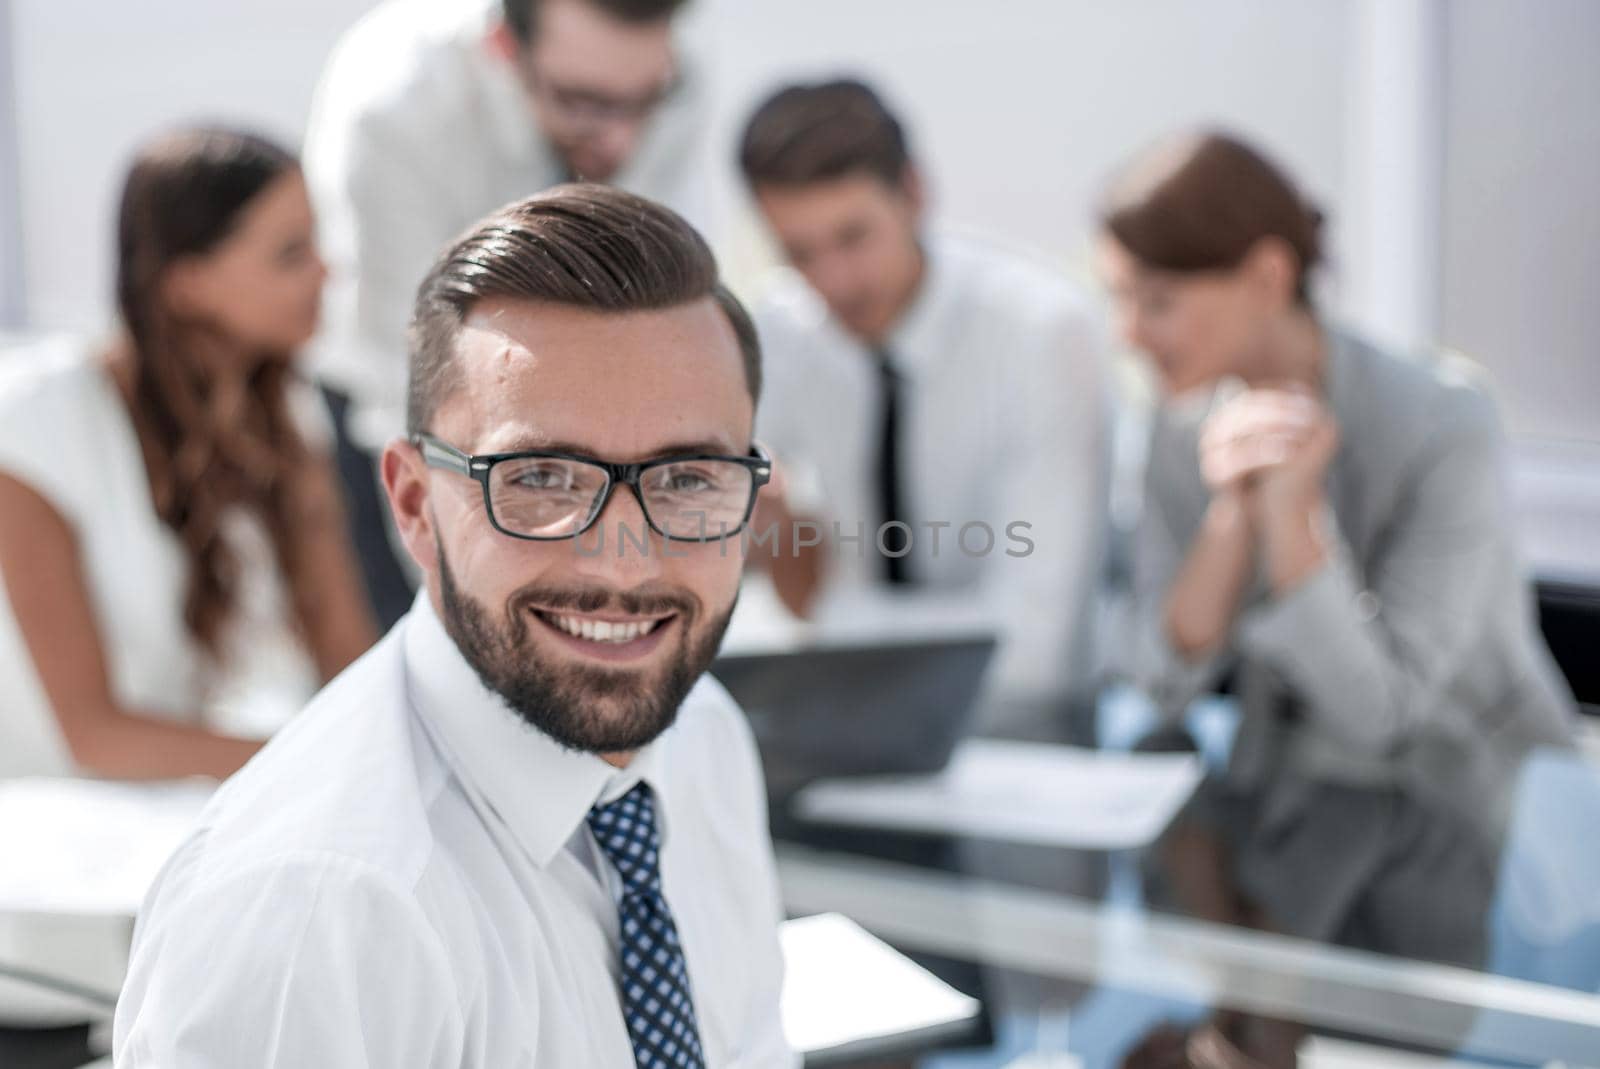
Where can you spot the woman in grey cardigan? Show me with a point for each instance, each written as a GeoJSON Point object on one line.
{"type": "Point", "coordinates": [1328, 522]}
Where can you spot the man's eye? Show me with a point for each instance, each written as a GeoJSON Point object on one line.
{"type": "Point", "coordinates": [1155, 303]}
{"type": "Point", "coordinates": [853, 237]}
{"type": "Point", "coordinates": [685, 481]}
{"type": "Point", "coordinates": [543, 479]}
{"type": "Point", "coordinates": [294, 255]}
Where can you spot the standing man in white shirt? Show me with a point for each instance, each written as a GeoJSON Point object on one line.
{"type": "Point", "coordinates": [941, 398]}
{"type": "Point", "coordinates": [432, 113]}
{"type": "Point", "coordinates": [525, 829]}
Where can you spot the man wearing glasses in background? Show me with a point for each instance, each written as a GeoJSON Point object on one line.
{"type": "Point", "coordinates": [430, 114]}
{"type": "Point", "coordinates": [524, 829]}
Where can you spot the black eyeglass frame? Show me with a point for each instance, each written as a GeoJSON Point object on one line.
{"type": "Point", "coordinates": [438, 453]}
{"type": "Point", "coordinates": [591, 108]}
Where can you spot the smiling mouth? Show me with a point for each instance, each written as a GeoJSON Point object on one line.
{"type": "Point", "coordinates": [604, 632]}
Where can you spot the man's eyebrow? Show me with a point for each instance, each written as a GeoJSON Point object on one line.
{"type": "Point", "coordinates": [697, 447]}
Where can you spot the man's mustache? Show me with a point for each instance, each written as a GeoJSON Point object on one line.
{"type": "Point", "coordinates": [641, 601]}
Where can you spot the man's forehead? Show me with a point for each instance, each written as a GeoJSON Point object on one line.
{"type": "Point", "coordinates": [540, 375]}
{"type": "Point", "coordinates": [822, 207]}
{"type": "Point", "coordinates": [502, 337]}
{"type": "Point", "coordinates": [516, 436]}
{"type": "Point", "coordinates": [577, 41]}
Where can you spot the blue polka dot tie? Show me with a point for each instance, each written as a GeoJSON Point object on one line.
{"type": "Point", "coordinates": [656, 1002]}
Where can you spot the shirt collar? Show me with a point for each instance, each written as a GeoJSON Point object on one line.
{"type": "Point", "coordinates": [915, 339]}
{"type": "Point", "coordinates": [541, 791]}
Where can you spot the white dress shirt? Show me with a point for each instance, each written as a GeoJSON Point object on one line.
{"type": "Point", "coordinates": [1003, 419]}
{"type": "Point", "coordinates": [405, 876]}
{"type": "Point", "coordinates": [417, 131]}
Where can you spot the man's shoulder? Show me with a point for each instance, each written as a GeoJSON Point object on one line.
{"type": "Point", "coordinates": [993, 276]}
{"type": "Point", "coordinates": [806, 354]}
{"type": "Point", "coordinates": [349, 785]}
{"type": "Point", "coordinates": [307, 895]}
{"type": "Point", "coordinates": [712, 708]}
{"type": "Point", "coordinates": [406, 61]}
{"type": "Point", "coordinates": [716, 767]}
{"type": "Point", "coordinates": [714, 727]}
{"type": "Point", "coordinates": [784, 304]}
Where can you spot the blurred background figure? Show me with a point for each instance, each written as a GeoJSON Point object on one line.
{"type": "Point", "coordinates": [939, 398]}
{"type": "Point", "coordinates": [428, 116]}
{"type": "Point", "coordinates": [1328, 522]}
{"type": "Point", "coordinates": [168, 514]}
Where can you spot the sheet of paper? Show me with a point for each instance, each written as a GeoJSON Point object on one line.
{"type": "Point", "coordinates": [1024, 792]}
{"type": "Point", "coordinates": [843, 987]}
{"type": "Point", "coordinates": [89, 847]}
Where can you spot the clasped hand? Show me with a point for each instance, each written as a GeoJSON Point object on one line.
{"type": "Point", "coordinates": [1267, 452]}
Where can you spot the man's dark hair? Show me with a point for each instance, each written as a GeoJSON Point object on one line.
{"type": "Point", "coordinates": [818, 132]}
{"type": "Point", "coordinates": [584, 245]}
{"type": "Point", "coordinates": [523, 15]}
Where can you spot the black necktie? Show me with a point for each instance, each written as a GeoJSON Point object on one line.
{"type": "Point", "coordinates": [891, 499]}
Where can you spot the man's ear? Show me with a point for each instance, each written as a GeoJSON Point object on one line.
{"type": "Point", "coordinates": [501, 43]}
{"type": "Point", "coordinates": [405, 479]}
{"type": "Point", "coordinates": [915, 191]}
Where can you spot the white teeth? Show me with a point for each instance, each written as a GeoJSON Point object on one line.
{"type": "Point", "coordinates": [603, 630]}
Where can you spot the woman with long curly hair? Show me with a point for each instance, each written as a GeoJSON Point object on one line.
{"type": "Point", "coordinates": [165, 505]}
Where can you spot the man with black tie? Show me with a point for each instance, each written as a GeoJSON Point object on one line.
{"type": "Point", "coordinates": [939, 403]}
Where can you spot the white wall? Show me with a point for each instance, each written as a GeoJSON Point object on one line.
{"type": "Point", "coordinates": [1521, 219]}
{"type": "Point", "coordinates": [95, 77]}
{"type": "Point", "coordinates": [1019, 108]}
{"type": "Point", "coordinates": [11, 299]}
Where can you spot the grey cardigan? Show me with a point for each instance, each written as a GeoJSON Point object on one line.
{"type": "Point", "coordinates": [1412, 657]}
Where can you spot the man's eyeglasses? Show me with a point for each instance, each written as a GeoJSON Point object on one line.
{"type": "Point", "coordinates": [593, 108]}
{"type": "Point", "coordinates": [546, 497]}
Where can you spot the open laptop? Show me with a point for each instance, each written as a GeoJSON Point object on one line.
{"type": "Point", "coordinates": [850, 710]}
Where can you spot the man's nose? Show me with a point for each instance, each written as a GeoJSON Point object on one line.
{"type": "Point", "coordinates": [620, 547]}
{"type": "Point", "coordinates": [835, 278]}
{"type": "Point", "coordinates": [616, 140]}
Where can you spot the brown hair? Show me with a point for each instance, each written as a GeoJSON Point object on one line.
{"type": "Point", "coordinates": [1200, 202]}
{"type": "Point", "coordinates": [522, 15]}
{"type": "Point", "coordinates": [582, 244]}
{"type": "Point", "coordinates": [211, 441]}
{"type": "Point", "coordinates": [818, 132]}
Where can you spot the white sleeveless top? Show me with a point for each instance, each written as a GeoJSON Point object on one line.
{"type": "Point", "coordinates": [66, 432]}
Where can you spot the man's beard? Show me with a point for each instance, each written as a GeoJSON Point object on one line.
{"type": "Point", "coordinates": [582, 707]}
